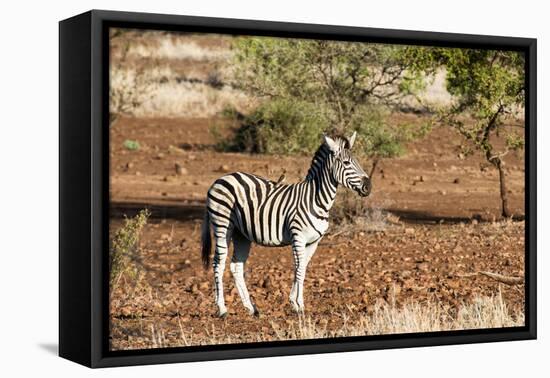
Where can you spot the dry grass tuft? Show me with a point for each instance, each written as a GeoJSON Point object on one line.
{"type": "Point", "coordinates": [351, 213]}
{"type": "Point", "coordinates": [482, 312]}
{"type": "Point", "coordinates": [124, 246]}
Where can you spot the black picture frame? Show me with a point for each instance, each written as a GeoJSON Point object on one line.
{"type": "Point", "coordinates": [84, 190]}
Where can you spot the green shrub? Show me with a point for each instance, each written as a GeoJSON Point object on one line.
{"type": "Point", "coordinates": [124, 246]}
{"type": "Point", "coordinates": [131, 145]}
{"type": "Point", "coordinates": [277, 127]}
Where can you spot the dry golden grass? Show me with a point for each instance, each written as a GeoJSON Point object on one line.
{"type": "Point", "coordinates": [155, 45]}
{"type": "Point", "coordinates": [159, 92]}
{"type": "Point", "coordinates": [482, 312]}
{"type": "Point", "coordinates": [190, 100]}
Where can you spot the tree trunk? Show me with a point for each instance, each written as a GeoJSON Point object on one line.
{"type": "Point", "coordinates": [503, 192]}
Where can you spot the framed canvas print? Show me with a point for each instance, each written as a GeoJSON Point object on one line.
{"type": "Point", "coordinates": [233, 188]}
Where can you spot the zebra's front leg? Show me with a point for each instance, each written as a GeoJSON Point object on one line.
{"type": "Point", "coordinates": [296, 294]}
{"type": "Point", "coordinates": [310, 250]}
{"type": "Point", "coordinates": [300, 265]}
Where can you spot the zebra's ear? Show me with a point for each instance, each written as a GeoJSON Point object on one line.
{"type": "Point", "coordinates": [331, 143]}
{"type": "Point", "coordinates": [352, 140]}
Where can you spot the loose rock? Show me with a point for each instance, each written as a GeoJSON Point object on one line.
{"type": "Point", "coordinates": [180, 170]}
{"type": "Point", "coordinates": [224, 168]}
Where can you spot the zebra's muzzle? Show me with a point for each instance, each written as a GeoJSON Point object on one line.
{"type": "Point", "coordinates": [365, 188]}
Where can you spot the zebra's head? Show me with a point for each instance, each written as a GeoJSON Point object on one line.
{"type": "Point", "coordinates": [345, 168]}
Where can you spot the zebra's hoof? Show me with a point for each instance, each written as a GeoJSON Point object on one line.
{"type": "Point", "coordinates": [256, 313]}
{"type": "Point", "coordinates": [222, 315]}
{"type": "Point", "coordinates": [297, 309]}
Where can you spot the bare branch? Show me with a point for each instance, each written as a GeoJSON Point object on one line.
{"type": "Point", "coordinates": [508, 280]}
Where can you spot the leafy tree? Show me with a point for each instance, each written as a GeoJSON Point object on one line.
{"type": "Point", "coordinates": [489, 87]}
{"type": "Point", "coordinates": [341, 84]}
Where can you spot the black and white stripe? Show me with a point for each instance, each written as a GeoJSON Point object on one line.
{"type": "Point", "coordinates": [245, 208]}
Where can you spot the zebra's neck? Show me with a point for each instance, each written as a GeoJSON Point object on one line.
{"type": "Point", "coordinates": [322, 184]}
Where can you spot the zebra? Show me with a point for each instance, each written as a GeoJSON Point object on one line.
{"type": "Point", "coordinates": [246, 208]}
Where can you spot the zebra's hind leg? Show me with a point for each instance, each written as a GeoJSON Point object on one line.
{"type": "Point", "coordinates": [240, 255]}
{"type": "Point", "coordinates": [223, 236]}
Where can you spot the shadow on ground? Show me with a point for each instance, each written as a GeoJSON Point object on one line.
{"type": "Point", "coordinates": [188, 212]}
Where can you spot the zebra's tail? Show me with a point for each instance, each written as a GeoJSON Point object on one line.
{"type": "Point", "coordinates": [206, 240]}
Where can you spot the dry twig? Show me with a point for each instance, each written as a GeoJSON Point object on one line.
{"type": "Point", "coordinates": [508, 280]}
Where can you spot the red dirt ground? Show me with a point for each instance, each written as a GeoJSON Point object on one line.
{"type": "Point", "coordinates": [451, 186]}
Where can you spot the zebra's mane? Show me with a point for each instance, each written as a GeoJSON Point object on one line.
{"type": "Point", "coordinates": [321, 156]}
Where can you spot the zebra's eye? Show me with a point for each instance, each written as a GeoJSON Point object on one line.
{"type": "Point", "coordinates": [347, 163]}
